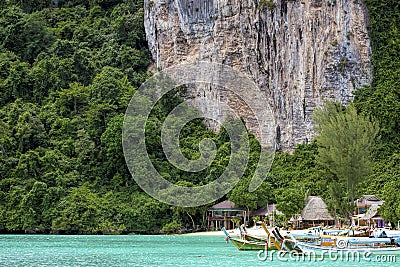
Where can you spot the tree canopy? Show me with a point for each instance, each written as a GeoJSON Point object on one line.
{"type": "Point", "coordinates": [345, 145]}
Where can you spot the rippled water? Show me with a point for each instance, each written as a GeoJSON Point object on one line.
{"type": "Point", "coordinates": [137, 250]}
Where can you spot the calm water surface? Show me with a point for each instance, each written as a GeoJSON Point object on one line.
{"type": "Point", "coordinates": [138, 250]}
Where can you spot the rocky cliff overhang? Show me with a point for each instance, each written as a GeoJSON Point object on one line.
{"type": "Point", "coordinates": [299, 52]}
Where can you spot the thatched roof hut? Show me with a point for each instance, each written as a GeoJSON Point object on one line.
{"type": "Point", "coordinates": [316, 212]}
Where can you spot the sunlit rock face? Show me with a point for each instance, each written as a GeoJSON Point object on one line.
{"type": "Point", "coordinates": [299, 52]}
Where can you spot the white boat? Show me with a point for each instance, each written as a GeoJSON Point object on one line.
{"type": "Point", "coordinates": [315, 250]}
{"type": "Point", "coordinates": [380, 232]}
{"type": "Point", "coordinates": [313, 232]}
{"type": "Point", "coordinates": [353, 245]}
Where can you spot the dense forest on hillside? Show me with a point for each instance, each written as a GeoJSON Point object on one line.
{"type": "Point", "coordinates": [67, 74]}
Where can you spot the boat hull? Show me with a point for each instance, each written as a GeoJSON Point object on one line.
{"type": "Point", "coordinates": [321, 251]}
{"type": "Point", "coordinates": [253, 238]}
{"type": "Point", "coordinates": [241, 244]}
{"type": "Point", "coordinates": [249, 242]}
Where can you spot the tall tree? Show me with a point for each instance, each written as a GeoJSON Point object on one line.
{"type": "Point", "coordinates": [345, 144]}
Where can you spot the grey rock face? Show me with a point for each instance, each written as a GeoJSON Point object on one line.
{"type": "Point", "coordinates": [299, 52]}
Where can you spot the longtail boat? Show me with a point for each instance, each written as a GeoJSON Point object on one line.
{"type": "Point", "coordinates": [320, 250]}
{"type": "Point", "coordinates": [249, 237]}
{"type": "Point", "coordinates": [243, 244]}
{"type": "Point", "coordinates": [277, 239]}
{"type": "Point", "coordinates": [360, 245]}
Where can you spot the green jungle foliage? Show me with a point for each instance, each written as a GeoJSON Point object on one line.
{"type": "Point", "coordinates": [381, 101]}
{"type": "Point", "coordinates": [67, 74]}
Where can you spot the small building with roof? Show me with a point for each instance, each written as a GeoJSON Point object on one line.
{"type": "Point", "coordinates": [367, 211]}
{"type": "Point", "coordinates": [365, 202]}
{"type": "Point", "coordinates": [221, 215]}
{"type": "Point", "coordinates": [315, 213]}
{"type": "Point", "coordinates": [266, 213]}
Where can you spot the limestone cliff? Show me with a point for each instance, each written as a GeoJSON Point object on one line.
{"type": "Point", "coordinates": [298, 51]}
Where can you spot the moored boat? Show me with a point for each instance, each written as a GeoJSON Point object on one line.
{"type": "Point", "coordinates": [383, 232]}
{"type": "Point", "coordinates": [253, 238]}
{"type": "Point", "coordinates": [250, 237]}
{"type": "Point", "coordinates": [324, 250]}
{"type": "Point", "coordinates": [244, 244]}
{"type": "Point", "coordinates": [276, 238]}
{"type": "Point", "coordinates": [349, 245]}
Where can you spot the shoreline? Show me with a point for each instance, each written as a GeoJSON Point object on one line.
{"type": "Point", "coordinates": [66, 233]}
{"type": "Point", "coordinates": [207, 233]}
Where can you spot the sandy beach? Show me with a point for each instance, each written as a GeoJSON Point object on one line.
{"type": "Point", "coordinates": [208, 233]}
{"type": "Point", "coordinates": [258, 231]}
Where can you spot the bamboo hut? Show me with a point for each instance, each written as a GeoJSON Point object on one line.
{"type": "Point", "coordinates": [315, 213]}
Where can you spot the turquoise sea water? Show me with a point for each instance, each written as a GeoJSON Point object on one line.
{"type": "Point", "coordinates": [138, 250]}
